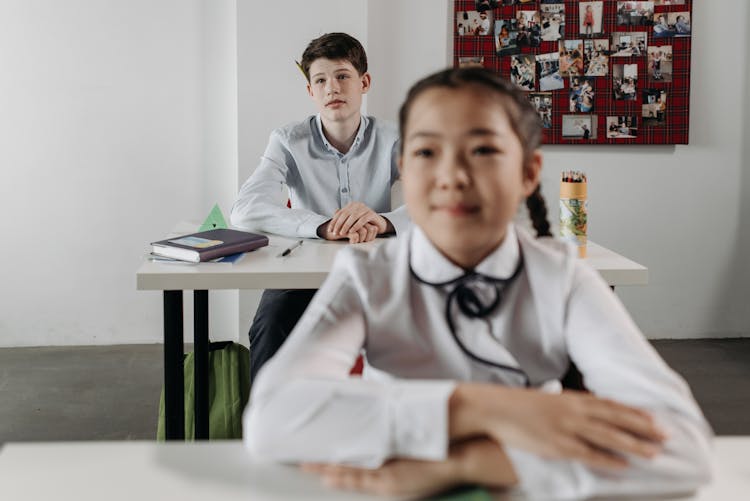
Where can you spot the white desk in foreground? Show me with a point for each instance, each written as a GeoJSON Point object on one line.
{"type": "Point", "coordinates": [305, 268]}
{"type": "Point", "coordinates": [222, 471]}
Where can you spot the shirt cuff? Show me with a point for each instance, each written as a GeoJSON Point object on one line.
{"type": "Point", "coordinates": [309, 228]}
{"type": "Point", "coordinates": [419, 419]}
{"type": "Point", "coordinates": [541, 478]}
{"type": "Point", "coordinates": [399, 218]}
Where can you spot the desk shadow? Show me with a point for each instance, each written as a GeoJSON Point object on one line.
{"type": "Point", "coordinates": [226, 465]}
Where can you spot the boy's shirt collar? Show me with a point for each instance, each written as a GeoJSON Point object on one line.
{"type": "Point", "coordinates": [432, 266]}
{"type": "Point", "coordinates": [363, 122]}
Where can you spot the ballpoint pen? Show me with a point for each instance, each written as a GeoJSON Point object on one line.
{"type": "Point", "coordinates": [289, 250]}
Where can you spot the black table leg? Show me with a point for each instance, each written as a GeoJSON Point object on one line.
{"type": "Point", "coordinates": [200, 309]}
{"type": "Point", "coordinates": [174, 386]}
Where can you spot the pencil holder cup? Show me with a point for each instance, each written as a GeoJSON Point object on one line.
{"type": "Point", "coordinates": [574, 214]}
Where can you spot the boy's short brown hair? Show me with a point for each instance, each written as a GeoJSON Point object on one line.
{"type": "Point", "coordinates": [335, 46]}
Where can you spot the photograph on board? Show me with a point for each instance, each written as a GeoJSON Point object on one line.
{"type": "Point", "coordinates": [654, 107]}
{"type": "Point", "coordinates": [680, 21]}
{"type": "Point", "coordinates": [471, 62]}
{"type": "Point", "coordinates": [579, 126]}
{"type": "Point", "coordinates": [553, 22]}
{"type": "Point", "coordinates": [506, 33]}
{"type": "Point", "coordinates": [622, 127]}
{"type": "Point", "coordinates": [590, 19]}
{"type": "Point", "coordinates": [571, 58]}
{"type": "Point", "coordinates": [660, 63]}
{"type": "Point", "coordinates": [542, 102]}
{"type": "Point", "coordinates": [628, 43]}
{"type": "Point", "coordinates": [529, 28]}
{"type": "Point", "coordinates": [485, 4]}
{"type": "Point", "coordinates": [581, 95]}
{"type": "Point", "coordinates": [473, 23]}
{"type": "Point", "coordinates": [635, 13]}
{"type": "Point", "coordinates": [596, 57]}
{"type": "Point", "coordinates": [548, 69]}
{"type": "Point", "coordinates": [625, 82]}
{"type": "Point", "coordinates": [522, 71]}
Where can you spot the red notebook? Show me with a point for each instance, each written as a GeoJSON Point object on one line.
{"type": "Point", "coordinates": [208, 245]}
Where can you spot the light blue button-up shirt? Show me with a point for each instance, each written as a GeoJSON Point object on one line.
{"type": "Point", "coordinates": [320, 179]}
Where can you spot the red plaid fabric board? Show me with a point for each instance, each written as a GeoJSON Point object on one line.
{"type": "Point", "coordinates": [647, 48]}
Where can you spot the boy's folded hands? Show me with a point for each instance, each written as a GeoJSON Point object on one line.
{"type": "Point", "coordinates": [356, 222]}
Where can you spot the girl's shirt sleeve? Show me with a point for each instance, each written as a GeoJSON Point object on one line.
{"type": "Point", "coordinates": [618, 363]}
{"type": "Point", "coordinates": [305, 407]}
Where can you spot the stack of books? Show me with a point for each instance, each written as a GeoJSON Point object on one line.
{"type": "Point", "coordinates": [221, 243]}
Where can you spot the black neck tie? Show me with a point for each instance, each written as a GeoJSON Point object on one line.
{"type": "Point", "coordinates": [473, 305]}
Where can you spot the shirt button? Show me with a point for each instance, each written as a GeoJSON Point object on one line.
{"type": "Point", "coordinates": [344, 190]}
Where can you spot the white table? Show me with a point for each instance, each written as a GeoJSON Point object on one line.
{"type": "Point", "coordinates": [222, 471]}
{"type": "Point", "coordinates": [305, 268]}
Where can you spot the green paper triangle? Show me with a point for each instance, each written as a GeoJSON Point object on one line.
{"type": "Point", "coordinates": [214, 220]}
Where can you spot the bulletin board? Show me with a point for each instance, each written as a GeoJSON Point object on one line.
{"type": "Point", "coordinates": [597, 72]}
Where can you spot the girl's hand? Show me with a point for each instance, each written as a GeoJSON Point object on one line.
{"type": "Point", "coordinates": [479, 461]}
{"type": "Point", "coordinates": [571, 425]}
{"type": "Point", "coordinates": [398, 477]}
{"type": "Point", "coordinates": [580, 426]}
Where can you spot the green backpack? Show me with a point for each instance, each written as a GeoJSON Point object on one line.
{"type": "Point", "coordinates": [228, 392]}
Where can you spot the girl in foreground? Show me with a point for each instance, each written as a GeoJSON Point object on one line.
{"type": "Point", "coordinates": [468, 323]}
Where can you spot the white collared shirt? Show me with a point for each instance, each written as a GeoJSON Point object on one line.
{"type": "Point", "coordinates": [305, 407]}
{"type": "Point", "coordinates": [320, 179]}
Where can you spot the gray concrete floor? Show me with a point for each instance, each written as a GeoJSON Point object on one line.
{"type": "Point", "coordinates": [112, 392]}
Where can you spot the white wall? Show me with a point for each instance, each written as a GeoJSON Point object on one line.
{"type": "Point", "coordinates": [220, 142]}
{"type": "Point", "coordinates": [118, 119]}
{"type": "Point", "coordinates": [683, 211]}
{"type": "Point", "coordinates": [104, 142]}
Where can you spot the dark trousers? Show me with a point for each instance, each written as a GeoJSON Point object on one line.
{"type": "Point", "coordinates": [277, 314]}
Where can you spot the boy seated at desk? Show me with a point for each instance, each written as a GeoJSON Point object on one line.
{"type": "Point", "coordinates": [338, 166]}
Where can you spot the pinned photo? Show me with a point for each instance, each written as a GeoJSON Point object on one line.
{"type": "Point", "coordinates": [672, 24]}
{"type": "Point", "coordinates": [529, 28]}
{"type": "Point", "coordinates": [472, 22]}
{"type": "Point", "coordinates": [506, 33]}
{"type": "Point", "coordinates": [581, 95]}
{"type": "Point", "coordinates": [622, 127]}
{"type": "Point", "coordinates": [590, 18]}
{"type": "Point", "coordinates": [654, 107]}
{"type": "Point", "coordinates": [579, 126]}
{"type": "Point", "coordinates": [680, 21]}
{"type": "Point", "coordinates": [553, 22]}
{"type": "Point", "coordinates": [471, 62]}
{"type": "Point", "coordinates": [548, 69]}
{"type": "Point", "coordinates": [596, 57]}
{"type": "Point", "coordinates": [628, 43]}
{"type": "Point", "coordinates": [522, 71]}
{"type": "Point", "coordinates": [624, 81]}
{"type": "Point", "coordinates": [485, 4]}
{"type": "Point", "coordinates": [542, 102]}
{"type": "Point", "coordinates": [660, 63]}
{"type": "Point", "coordinates": [635, 13]}
{"type": "Point", "coordinates": [571, 58]}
